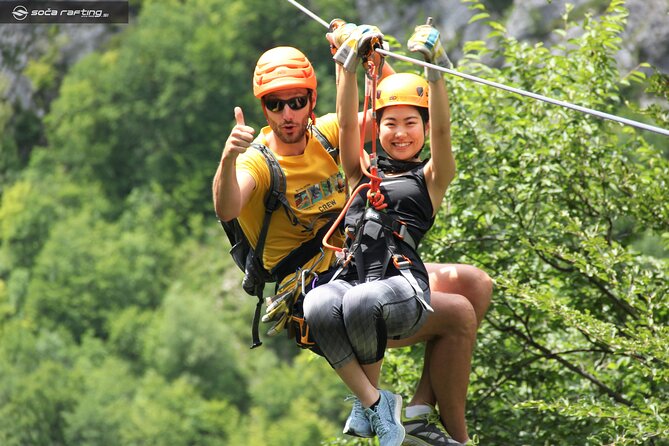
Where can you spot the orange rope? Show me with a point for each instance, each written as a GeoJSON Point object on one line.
{"type": "Point", "coordinates": [374, 195]}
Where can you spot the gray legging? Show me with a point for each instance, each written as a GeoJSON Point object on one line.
{"type": "Point", "coordinates": [354, 321]}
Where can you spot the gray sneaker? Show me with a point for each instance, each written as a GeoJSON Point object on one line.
{"type": "Point", "coordinates": [357, 423]}
{"type": "Point", "coordinates": [386, 419]}
{"type": "Point", "coordinates": [427, 430]}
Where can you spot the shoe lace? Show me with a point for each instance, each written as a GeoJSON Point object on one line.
{"type": "Point", "coordinates": [357, 405]}
{"type": "Point", "coordinates": [378, 425]}
{"type": "Point", "coordinates": [434, 418]}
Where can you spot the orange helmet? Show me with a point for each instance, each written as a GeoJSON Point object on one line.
{"type": "Point", "coordinates": [282, 68]}
{"type": "Point", "coordinates": [402, 89]}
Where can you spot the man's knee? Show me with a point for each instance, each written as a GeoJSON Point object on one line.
{"type": "Point", "coordinates": [467, 280]}
{"type": "Point", "coordinates": [483, 286]}
{"type": "Point", "coordinates": [458, 317]}
{"type": "Point", "coordinates": [468, 319]}
{"type": "Point", "coordinates": [483, 280]}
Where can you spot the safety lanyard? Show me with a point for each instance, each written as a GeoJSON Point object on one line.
{"type": "Point", "coordinates": [375, 197]}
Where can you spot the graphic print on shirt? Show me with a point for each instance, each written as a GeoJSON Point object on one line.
{"type": "Point", "coordinates": [315, 193]}
{"type": "Point", "coordinates": [326, 186]}
{"type": "Point", "coordinates": [302, 200]}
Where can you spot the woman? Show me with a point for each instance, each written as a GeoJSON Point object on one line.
{"type": "Point", "coordinates": [382, 291]}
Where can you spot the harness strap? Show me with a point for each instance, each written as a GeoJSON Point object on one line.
{"type": "Point", "coordinates": [403, 265]}
{"type": "Point", "coordinates": [400, 231]}
{"type": "Point", "coordinates": [256, 320]}
{"type": "Point", "coordinates": [406, 273]}
{"type": "Point", "coordinates": [333, 151]}
{"type": "Point", "coordinates": [301, 254]}
{"type": "Point", "coordinates": [276, 196]}
{"type": "Point", "coordinates": [254, 263]}
{"type": "Point", "coordinates": [391, 228]}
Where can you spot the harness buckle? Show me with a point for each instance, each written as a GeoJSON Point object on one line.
{"type": "Point", "coordinates": [400, 229]}
{"type": "Point", "coordinates": [401, 261]}
{"type": "Point", "coordinates": [343, 257]}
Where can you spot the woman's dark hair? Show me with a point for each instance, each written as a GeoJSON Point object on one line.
{"type": "Point", "coordinates": [424, 115]}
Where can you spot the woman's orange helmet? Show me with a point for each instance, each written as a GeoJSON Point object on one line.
{"type": "Point", "coordinates": [282, 68]}
{"type": "Point", "coordinates": [402, 89]}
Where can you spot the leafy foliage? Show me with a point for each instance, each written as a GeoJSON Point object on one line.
{"type": "Point", "coordinates": [549, 201]}
{"type": "Point", "coordinates": [157, 107]}
{"type": "Point", "coordinates": [76, 283]}
{"type": "Point", "coordinates": [121, 318]}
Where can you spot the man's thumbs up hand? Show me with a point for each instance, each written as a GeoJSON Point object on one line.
{"type": "Point", "coordinates": [240, 137]}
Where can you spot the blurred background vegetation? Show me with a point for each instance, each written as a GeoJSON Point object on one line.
{"type": "Point", "coordinates": [121, 317]}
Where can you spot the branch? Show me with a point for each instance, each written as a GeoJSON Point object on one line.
{"type": "Point", "coordinates": [556, 356]}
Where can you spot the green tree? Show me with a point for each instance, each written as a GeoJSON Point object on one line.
{"type": "Point", "coordinates": [574, 350]}
{"type": "Point", "coordinates": [107, 391]}
{"type": "Point", "coordinates": [36, 387]}
{"type": "Point", "coordinates": [188, 340]}
{"type": "Point", "coordinates": [90, 269]}
{"type": "Point", "coordinates": [175, 413]}
{"type": "Point", "coordinates": [158, 106]}
{"type": "Point", "coordinates": [32, 205]}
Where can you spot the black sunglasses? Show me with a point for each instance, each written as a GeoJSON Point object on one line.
{"type": "Point", "coordinates": [277, 105]}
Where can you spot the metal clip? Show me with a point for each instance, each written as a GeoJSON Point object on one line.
{"type": "Point", "coordinates": [305, 272]}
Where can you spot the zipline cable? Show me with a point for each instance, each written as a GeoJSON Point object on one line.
{"type": "Point", "coordinates": [309, 13]}
{"type": "Point", "coordinates": [539, 97]}
{"type": "Point", "coordinates": [529, 94]}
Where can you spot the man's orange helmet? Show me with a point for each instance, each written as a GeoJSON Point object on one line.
{"type": "Point", "coordinates": [282, 68]}
{"type": "Point", "coordinates": [402, 89]}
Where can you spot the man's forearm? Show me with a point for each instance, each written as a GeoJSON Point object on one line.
{"type": "Point", "coordinates": [225, 191]}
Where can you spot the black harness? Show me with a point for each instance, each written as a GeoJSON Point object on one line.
{"type": "Point", "coordinates": [396, 237]}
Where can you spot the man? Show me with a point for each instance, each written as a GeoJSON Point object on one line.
{"type": "Point", "coordinates": [285, 83]}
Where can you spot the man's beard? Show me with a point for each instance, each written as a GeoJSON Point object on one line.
{"type": "Point", "coordinates": [290, 139]}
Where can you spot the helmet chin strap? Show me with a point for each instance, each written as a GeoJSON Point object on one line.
{"type": "Point", "coordinates": [312, 118]}
{"type": "Point", "coordinates": [312, 98]}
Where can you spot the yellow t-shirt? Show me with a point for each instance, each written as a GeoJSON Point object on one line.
{"type": "Point", "coordinates": [315, 189]}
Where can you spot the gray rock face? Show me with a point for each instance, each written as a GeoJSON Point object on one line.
{"type": "Point", "coordinates": [647, 33]}
{"type": "Point", "coordinates": [21, 43]}
{"type": "Point", "coordinates": [646, 38]}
